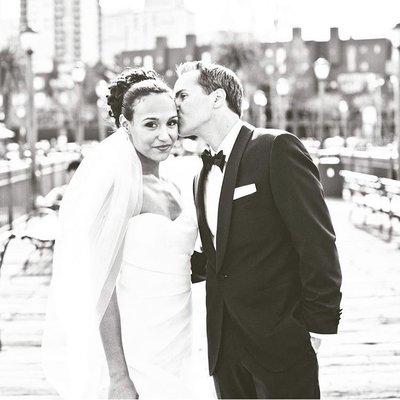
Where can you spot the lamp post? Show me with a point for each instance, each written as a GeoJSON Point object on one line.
{"type": "Point", "coordinates": [344, 109]}
{"type": "Point", "coordinates": [396, 89]}
{"type": "Point", "coordinates": [78, 76]}
{"type": "Point", "coordinates": [260, 100]}
{"type": "Point", "coordinates": [101, 92]}
{"type": "Point", "coordinates": [377, 89]}
{"type": "Point", "coordinates": [321, 70]}
{"type": "Point", "coordinates": [2, 116]}
{"type": "Point", "coordinates": [28, 41]}
{"type": "Point", "coordinates": [282, 88]}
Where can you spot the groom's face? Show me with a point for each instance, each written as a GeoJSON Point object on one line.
{"type": "Point", "coordinates": [194, 105]}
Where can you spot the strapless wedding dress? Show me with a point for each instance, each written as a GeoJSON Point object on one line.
{"type": "Point", "coordinates": [155, 302]}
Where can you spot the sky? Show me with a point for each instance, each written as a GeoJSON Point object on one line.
{"type": "Point", "coordinates": [356, 18]}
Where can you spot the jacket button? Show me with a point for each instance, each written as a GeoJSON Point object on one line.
{"type": "Point", "coordinates": [225, 276]}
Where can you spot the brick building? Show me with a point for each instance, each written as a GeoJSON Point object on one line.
{"type": "Point", "coordinates": [358, 75]}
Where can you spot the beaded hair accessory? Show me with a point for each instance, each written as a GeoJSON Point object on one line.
{"type": "Point", "coordinates": [122, 84]}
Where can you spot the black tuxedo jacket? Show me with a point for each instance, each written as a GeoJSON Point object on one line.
{"type": "Point", "coordinates": [276, 269]}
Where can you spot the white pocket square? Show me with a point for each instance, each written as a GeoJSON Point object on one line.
{"type": "Point", "coordinates": [242, 191]}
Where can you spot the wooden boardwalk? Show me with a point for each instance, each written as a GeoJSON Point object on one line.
{"type": "Point", "coordinates": [363, 361]}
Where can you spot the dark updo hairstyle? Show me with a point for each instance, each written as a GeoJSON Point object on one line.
{"type": "Point", "coordinates": [129, 87]}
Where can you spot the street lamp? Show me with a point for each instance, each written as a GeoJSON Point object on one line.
{"type": "Point", "coordinates": [101, 92]}
{"type": "Point", "coordinates": [396, 45]}
{"type": "Point", "coordinates": [282, 88]}
{"type": "Point", "coordinates": [321, 70]}
{"type": "Point", "coordinates": [261, 101]}
{"type": "Point", "coordinates": [369, 117]}
{"type": "Point", "coordinates": [78, 76]}
{"type": "Point", "coordinates": [28, 41]}
{"type": "Point", "coordinates": [344, 109]}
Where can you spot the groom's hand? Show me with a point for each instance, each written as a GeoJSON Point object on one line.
{"type": "Point", "coordinates": [122, 388]}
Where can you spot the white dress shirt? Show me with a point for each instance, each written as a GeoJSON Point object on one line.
{"type": "Point", "coordinates": [213, 184]}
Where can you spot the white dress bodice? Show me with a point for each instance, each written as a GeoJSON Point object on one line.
{"type": "Point", "coordinates": [154, 297]}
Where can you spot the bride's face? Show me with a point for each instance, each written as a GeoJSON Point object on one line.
{"type": "Point", "coordinates": [154, 127]}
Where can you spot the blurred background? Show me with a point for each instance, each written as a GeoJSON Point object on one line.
{"type": "Point", "coordinates": [328, 72]}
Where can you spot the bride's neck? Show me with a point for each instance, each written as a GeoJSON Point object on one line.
{"type": "Point", "coordinates": [149, 167]}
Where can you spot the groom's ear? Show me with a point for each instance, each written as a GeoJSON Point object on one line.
{"type": "Point", "coordinates": [219, 98]}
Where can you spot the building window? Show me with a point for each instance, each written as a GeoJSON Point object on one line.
{"type": "Point", "coordinates": [126, 61]}
{"type": "Point", "coordinates": [377, 49]}
{"type": "Point", "coordinates": [148, 62]}
{"type": "Point", "coordinates": [333, 85]}
{"type": "Point", "coordinates": [281, 56]}
{"type": "Point", "coordinates": [305, 66]}
{"type": "Point", "coordinates": [364, 66]}
{"type": "Point", "coordinates": [351, 58]}
{"type": "Point", "coordinates": [159, 60]}
{"type": "Point", "coordinates": [189, 57]}
{"type": "Point", "coordinates": [206, 57]}
{"type": "Point", "coordinates": [269, 53]}
{"type": "Point", "coordinates": [363, 49]}
{"type": "Point", "coordinates": [137, 60]}
{"type": "Point", "coordinates": [269, 69]}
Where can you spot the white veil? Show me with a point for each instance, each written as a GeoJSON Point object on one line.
{"type": "Point", "coordinates": [104, 193]}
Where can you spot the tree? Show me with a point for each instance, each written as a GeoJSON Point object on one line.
{"type": "Point", "coordinates": [11, 77]}
{"type": "Point", "coordinates": [241, 54]}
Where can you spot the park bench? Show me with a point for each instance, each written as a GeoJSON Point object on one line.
{"type": "Point", "coordinates": [34, 228]}
{"type": "Point", "coordinates": [374, 195]}
{"type": "Point", "coordinates": [392, 190]}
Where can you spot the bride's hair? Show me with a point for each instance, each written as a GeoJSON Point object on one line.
{"type": "Point", "coordinates": [130, 86]}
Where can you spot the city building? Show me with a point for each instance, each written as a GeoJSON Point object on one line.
{"type": "Point", "coordinates": [40, 17]}
{"type": "Point", "coordinates": [68, 31]}
{"type": "Point", "coordinates": [9, 23]}
{"type": "Point", "coordinates": [137, 30]}
{"type": "Point", "coordinates": [77, 31]}
{"type": "Point", "coordinates": [358, 75]}
{"type": "Point", "coordinates": [356, 58]}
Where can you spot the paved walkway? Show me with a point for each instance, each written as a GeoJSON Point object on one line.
{"type": "Point", "coordinates": [363, 361]}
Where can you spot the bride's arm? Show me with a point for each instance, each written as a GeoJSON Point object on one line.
{"type": "Point", "coordinates": [121, 385]}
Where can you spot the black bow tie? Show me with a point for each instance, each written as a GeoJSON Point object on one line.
{"type": "Point", "coordinates": [209, 160]}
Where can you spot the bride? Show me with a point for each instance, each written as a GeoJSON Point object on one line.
{"type": "Point", "coordinates": [119, 312]}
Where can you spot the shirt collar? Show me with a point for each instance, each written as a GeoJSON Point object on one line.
{"type": "Point", "coordinates": [227, 144]}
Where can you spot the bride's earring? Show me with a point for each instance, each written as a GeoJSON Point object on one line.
{"type": "Point", "coordinates": [126, 127]}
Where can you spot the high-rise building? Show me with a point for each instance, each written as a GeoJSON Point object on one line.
{"type": "Point", "coordinates": [129, 30]}
{"type": "Point", "coordinates": [40, 17]}
{"type": "Point", "coordinates": [9, 23]}
{"type": "Point", "coordinates": [77, 27]}
{"type": "Point", "coordinates": [68, 31]}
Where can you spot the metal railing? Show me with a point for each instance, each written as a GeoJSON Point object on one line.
{"type": "Point", "coordinates": [16, 189]}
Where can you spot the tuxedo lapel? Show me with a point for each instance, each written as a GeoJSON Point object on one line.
{"type": "Point", "coordinates": [227, 190]}
{"type": "Point", "coordinates": [204, 230]}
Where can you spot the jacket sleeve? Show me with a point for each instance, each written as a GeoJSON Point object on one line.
{"type": "Point", "coordinates": [299, 198]}
{"type": "Point", "coordinates": [198, 262]}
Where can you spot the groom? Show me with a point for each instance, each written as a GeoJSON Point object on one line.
{"type": "Point", "coordinates": [273, 274]}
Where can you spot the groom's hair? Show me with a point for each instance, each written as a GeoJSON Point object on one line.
{"type": "Point", "coordinates": [215, 76]}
